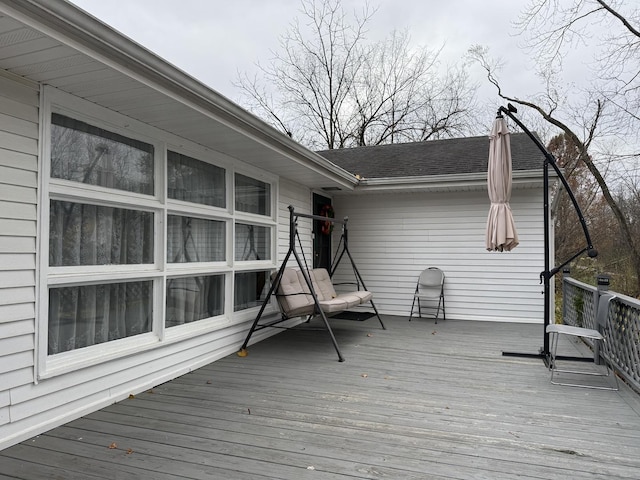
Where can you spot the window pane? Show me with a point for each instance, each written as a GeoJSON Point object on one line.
{"type": "Point", "coordinates": [88, 315]}
{"type": "Point", "coordinates": [251, 288]}
{"type": "Point", "coordinates": [253, 242]}
{"type": "Point", "coordinates": [252, 196]}
{"type": "Point", "coordinates": [194, 298]}
{"type": "Point", "coordinates": [195, 240]}
{"type": "Point", "coordinates": [87, 154]}
{"type": "Point", "coordinates": [83, 234]}
{"type": "Point", "coordinates": [194, 181]}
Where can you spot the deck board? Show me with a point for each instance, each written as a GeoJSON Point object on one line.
{"type": "Point", "coordinates": [417, 401]}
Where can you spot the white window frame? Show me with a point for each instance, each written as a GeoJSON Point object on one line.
{"type": "Point", "coordinates": [53, 100]}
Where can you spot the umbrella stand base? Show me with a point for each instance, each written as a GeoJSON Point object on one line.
{"type": "Point", "coordinates": [545, 356]}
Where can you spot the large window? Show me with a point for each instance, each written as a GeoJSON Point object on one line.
{"type": "Point", "coordinates": [143, 240]}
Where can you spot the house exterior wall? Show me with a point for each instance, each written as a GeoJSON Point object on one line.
{"type": "Point", "coordinates": [299, 197]}
{"type": "Point", "coordinates": [18, 215]}
{"type": "Point", "coordinates": [29, 402]}
{"type": "Point", "coordinates": [394, 237]}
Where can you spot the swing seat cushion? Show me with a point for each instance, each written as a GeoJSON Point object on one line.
{"type": "Point", "coordinates": [330, 299]}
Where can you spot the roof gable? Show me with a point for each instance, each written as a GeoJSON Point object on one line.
{"type": "Point", "coordinates": [435, 157]}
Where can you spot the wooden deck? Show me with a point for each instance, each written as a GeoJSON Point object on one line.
{"type": "Point", "coordinates": [417, 401]}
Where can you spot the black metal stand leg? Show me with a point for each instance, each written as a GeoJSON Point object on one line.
{"type": "Point", "coordinates": [377, 314]}
{"type": "Point", "coordinates": [333, 338]}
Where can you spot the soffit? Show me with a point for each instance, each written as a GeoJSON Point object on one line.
{"type": "Point", "coordinates": [57, 44]}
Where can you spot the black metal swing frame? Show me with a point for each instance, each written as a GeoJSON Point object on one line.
{"type": "Point", "coordinates": [293, 235]}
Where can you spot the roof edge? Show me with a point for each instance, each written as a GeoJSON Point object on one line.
{"type": "Point", "coordinates": [461, 181]}
{"type": "Point", "coordinates": [73, 26]}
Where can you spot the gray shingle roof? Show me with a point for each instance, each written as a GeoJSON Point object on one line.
{"type": "Point", "coordinates": [435, 157]}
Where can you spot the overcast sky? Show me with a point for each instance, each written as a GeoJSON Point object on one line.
{"type": "Point", "coordinates": [214, 39]}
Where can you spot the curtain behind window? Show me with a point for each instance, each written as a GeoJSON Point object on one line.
{"type": "Point", "coordinates": [87, 315]}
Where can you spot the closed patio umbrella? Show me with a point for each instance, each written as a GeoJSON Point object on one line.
{"type": "Point", "coordinates": [501, 229]}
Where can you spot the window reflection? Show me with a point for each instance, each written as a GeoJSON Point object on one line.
{"type": "Point", "coordinates": [83, 153]}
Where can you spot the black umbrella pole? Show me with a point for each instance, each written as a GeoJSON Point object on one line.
{"type": "Point", "coordinates": [548, 273]}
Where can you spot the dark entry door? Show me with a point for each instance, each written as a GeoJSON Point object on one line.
{"type": "Point", "coordinates": [321, 241]}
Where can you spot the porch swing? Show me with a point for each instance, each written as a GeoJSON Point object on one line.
{"type": "Point", "coordinates": [310, 292]}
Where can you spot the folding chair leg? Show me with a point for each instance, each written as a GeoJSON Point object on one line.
{"type": "Point", "coordinates": [413, 305]}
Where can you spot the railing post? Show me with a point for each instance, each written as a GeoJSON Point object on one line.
{"type": "Point", "coordinates": [566, 273]}
{"type": "Point", "coordinates": [603, 281]}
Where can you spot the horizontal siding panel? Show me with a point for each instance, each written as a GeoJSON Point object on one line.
{"type": "Point", "coordinates": [16, 329]}
{"type": "Point", "coordinates": [17, 378]}
{"type": "Point", "coordinates": [11, 158]}
{"type": "Point", "coordinates": [17, 278]}
{"type": "Point", "coordinates": [15, 176]}
{"type": "Point", "coordinates": [4, 415]}
{"type": "Point", "coordinates": [17, 228]}
{"type": "Point", "coordinates": [17, 261]}
{"type": "Point", "coordinates": [17, 245]}
{"type": "Point", "coordinates": [18, 211]}
{"type": "Point", "coordinates": [16, 361]}
{"type": "Point", "coordinates": [20, 311]}
{"type": "Point", "coordinates": [11, 296]}
{"type": "Point", "coordinates": [11, 141]}
{"type": "Point", "coordinates": [18, 96]}
{"type": "Point", "coordinates": [22, 343]}
{"type": "Point", "coordinates": [18, 194]}
{"type": "Point", "coordinates": [15, 125]}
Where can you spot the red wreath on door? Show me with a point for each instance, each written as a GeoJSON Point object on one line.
{"type": "Point", "coordinates": [327, 211]}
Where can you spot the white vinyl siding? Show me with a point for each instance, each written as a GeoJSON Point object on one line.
{"type": "Point", "coordinates": [393, 238]}
{"type": "Point", "coordinates": [18, 226]}
{"type": "Point", "coordinates": [29, 405]}
{"type": "Point", "coordinates": [299, 197]}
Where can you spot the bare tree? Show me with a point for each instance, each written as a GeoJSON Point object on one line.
{"type": "Point", "coordinates": [568, 230]}
{"type": "Point", "coordinates": [606, 109]}
{"type": "Point", "coordinates": [328, 87]}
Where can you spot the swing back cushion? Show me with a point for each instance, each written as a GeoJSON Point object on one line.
{"type": "Point", "coordinates": [292, 299]}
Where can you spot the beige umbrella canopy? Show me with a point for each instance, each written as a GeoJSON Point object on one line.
{"type": "Point", "coordinates": [501, 229]}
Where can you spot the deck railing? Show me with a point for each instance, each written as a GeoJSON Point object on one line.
{"type": "Point", "coordinates": [579, 306]}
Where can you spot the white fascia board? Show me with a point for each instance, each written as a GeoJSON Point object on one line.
{"type": "Point", "coordinates": [72, 26]}
{"type": "Point", "coordinates": [463, 181]}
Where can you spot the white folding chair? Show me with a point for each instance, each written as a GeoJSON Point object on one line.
{"type": "Point", "coordinates": [599, 340]}
{"type": "Point", "coordinates": [430, 291]}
